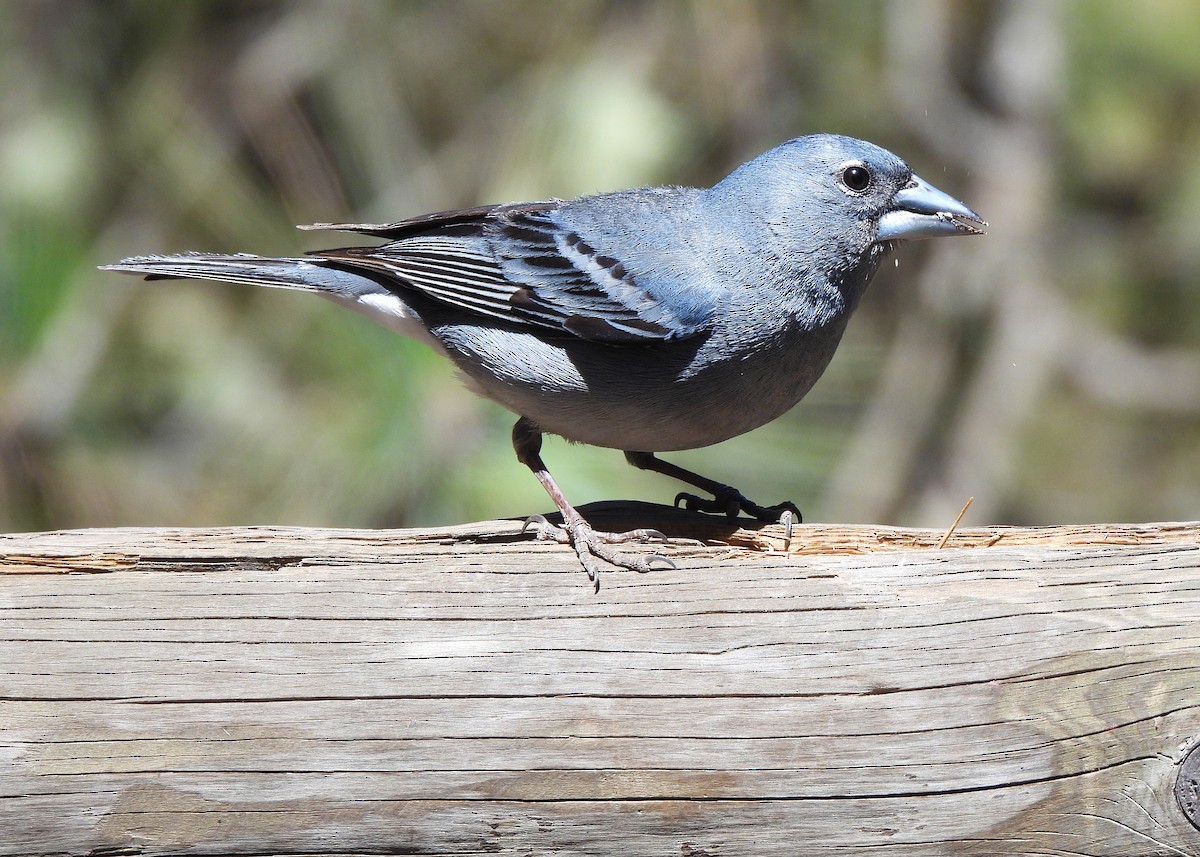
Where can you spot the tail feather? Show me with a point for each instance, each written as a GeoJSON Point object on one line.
{"type": "Point", "coordinates": [300, 274]}
{"type": "Point", "coordinates": [353, 291]}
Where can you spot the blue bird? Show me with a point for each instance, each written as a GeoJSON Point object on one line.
{"type": "Point", "coordinates": [643, 320]}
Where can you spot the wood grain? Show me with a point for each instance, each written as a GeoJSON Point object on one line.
{"type": "Point", "coordinates": [462, 691]}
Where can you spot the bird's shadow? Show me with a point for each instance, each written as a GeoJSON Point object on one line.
{"type": "Point", "coordinates": [618, 516]}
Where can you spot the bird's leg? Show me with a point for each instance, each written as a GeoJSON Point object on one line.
{"type": "Point", "coordinates": [575, 531]}
{"type": "Point", "coordinates": [726, 498]}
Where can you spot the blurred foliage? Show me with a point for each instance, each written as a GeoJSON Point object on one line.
{"type": "Point", "coordinates": [1051, 369]}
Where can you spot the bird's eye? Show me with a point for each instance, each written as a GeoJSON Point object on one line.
{"type": "Point", "coordinates": [856, 178]}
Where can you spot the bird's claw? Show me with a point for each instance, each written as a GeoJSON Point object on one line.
{"type": "Point", "coordinates": [545, 531]}
{"type": "Point", "coordinates": [731, 502]}
{"type": "Point", "coordinates": [592, 545]}
{"type": "Point", "coordinates": [721, 505]}
{"type": "Point", "coordinates": [787, 519]}
{"type": "Point", "coordinates": [645, 535]}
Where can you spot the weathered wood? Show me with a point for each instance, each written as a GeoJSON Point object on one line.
{"type": "Point", "coordinates": [462, 691]}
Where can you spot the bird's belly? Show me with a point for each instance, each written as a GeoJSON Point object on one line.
{"type": "Point", "coordinates": [654, 398]}
{"type": "Point", "coordinates": [648, 426]}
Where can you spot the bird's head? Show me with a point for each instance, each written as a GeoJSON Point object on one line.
{"type": "Point", "coordinates": [843, 192]}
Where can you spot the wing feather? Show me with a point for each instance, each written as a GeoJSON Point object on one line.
{"type": "Point", "coordinates": [519, 264]}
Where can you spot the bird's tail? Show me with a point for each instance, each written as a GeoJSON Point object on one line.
{"type": "Point", "coordinates": [354, 291]}
{"type": "Point", "coordinates": [302, 274]}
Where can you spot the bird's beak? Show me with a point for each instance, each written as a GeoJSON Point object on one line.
{"type": "Point", "coordinates": [920, 210]}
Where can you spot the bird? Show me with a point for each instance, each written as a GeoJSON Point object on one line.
{"type": "Point", "coordinates": [648, 320]}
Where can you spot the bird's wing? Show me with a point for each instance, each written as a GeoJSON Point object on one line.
{"type": "Point", "coordinates": [466, 220]}
{"type": "Point", "coordinates": [519, 264]}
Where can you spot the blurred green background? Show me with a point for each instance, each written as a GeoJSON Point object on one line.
{"type": "Point", "coordinates": [1051, 369]}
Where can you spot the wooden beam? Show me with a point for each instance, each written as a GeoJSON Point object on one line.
{"type": "Point", "coordinates": [460, 690]}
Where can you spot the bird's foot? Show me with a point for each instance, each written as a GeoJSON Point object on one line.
{"type": "Point", "coordinates": [591, 545]}
{"type": "Point", "coordinates": [731, 502]}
